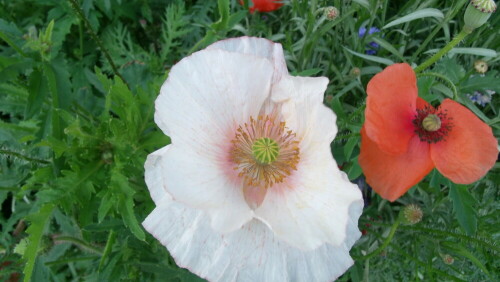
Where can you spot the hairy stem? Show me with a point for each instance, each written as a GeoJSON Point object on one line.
{"type": "Point", "coordinates": [444, 50]}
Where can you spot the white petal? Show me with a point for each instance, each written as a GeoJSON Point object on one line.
{"type": "Point", "coordinates": [209, 93]}
{"type": "Point", "coordinates": [256, 46]}
{"type": "Point", "coordinates": [201, 183]}
{"type": "Point", "coordinates": [304, 112]}
{"type": "Point", "coordinates": [153, 175]}
{"type": "Point", "coordinates": [252, 253]}
{"type": "Point", "coordinates": [312, 206]}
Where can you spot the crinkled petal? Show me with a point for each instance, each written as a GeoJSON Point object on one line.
{"type": "Point", "coordinates": [200, 183]}
{"type": "Point", "coordinates": [312, 206]}
{"type": "Point", "coordinates": [260, 47]}
{"type": "Point", "coordinates": [469, 150]}
{"type": "Point", "coordinates": [392, 175]}
{"type": "Point", "coordinates": [391, 107]}
{"type": "Point", "coordinates": [251, 253]}
{"type": "Point", "coordinates": [153, 174]}
{"type": "Point", "coordinates": [303, 110]}
{"type": "Point", "coordinates": [197, 104]}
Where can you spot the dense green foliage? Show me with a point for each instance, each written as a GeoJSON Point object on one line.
{"type": "Point", "coordinates": [78, 80]}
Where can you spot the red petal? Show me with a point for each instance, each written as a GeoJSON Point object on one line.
{"type": "Point", "coordinates": [391, 107]}
{"type": "Point", "coordinates": [392, 175]}
{"type": "Point", "coordinates": [265, 5]}
{"type": "Point", "coordinates": [469, 150]}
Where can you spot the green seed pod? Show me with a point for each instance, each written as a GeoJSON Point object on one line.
{"type": "Point", "coordinates": [431, 123]}
{"type": "Point", "coordinates": [478, 12]}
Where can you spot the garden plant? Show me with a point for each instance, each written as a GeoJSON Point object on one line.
{"type": "Point", "coordinates": [252, 140]}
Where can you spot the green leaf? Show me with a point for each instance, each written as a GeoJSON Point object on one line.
{"type": "Point", "coordinates": [222, 23]}
{"type": "Point", "coordinates": [126, 208]}
{"type": "Point", "coordinates": [349, 147]}
{"type": "Point", "coordinates": [463, 206]}
{"type": "Point", "coordinates": [309, 72]}
{"type": "Point", "coordinates": [371, 58]}
{"type": "Point", "coordinates": [424, 13]}
{"type": "Point", "coordinates": [355, 170]}
{"type": "Point", "coordinates": [469, 51]}
{"type": "Point", "coordinates": [126, 203]}
{"type": "Point", "coordinates": [388, 46]}
{"type": "Point", "coordinates": [37, 94]}
{"type": "Point", "coordinates": [363, 3]}
{"type": "Point", "coordinates": [38, 222]}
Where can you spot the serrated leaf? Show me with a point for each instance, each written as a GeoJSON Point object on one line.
{"type": "Point", "coordinates": [106, 203]}
{"type": "Point", "coordinates": [424, 13]}
{"type": "Point", "coordinates": [126, 208]}
{"type": "Point", "coordinates": [463, 207]}
{"type": "Point", "coordinates": [38, 222]}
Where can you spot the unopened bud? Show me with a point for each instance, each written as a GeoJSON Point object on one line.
{"type": "Point", "coordinates": [478, 12]}
{"type": "Point", "coordinates": [412, 214]}
{"type": "Point", "coordinates": [447, 259]}
{"type": "Point", "coordinates": [356, 72]}
{"type": "Point", "coordinates": [331, 13]}
{"type": "Point", "coordinates": [481, 66]}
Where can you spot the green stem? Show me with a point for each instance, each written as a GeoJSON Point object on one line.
{"type": "Point", "coordinates": [96, 39]}
{"type": "Point", "coordinates": [443, 51]}
{"type": "Point", "coordinates": [107, 249]}
{"type": "Point", "coordinates": [78, 242]}
{"type": "Point", "coordinates": [387, 241]}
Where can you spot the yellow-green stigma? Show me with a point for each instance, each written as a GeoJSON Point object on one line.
{"type": "Point", "coordinates": [431, 122]}
{"type": "Point", "coordinates": [265, 150]}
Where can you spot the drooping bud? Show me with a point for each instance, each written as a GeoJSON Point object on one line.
{"type": "Point", "coordinates": [478, 12]}
{"type": "Point", "coordinates": [481, 66]}
{"type": "Point", "coordinates": [431, 122]}
{"type": "Point", "coordinates": [412, 214]}
{"type": "Point", "coordinates": [331, 13]}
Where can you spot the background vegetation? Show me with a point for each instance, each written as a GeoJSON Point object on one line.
{"type": "Point", "coordinates": [78, 80]}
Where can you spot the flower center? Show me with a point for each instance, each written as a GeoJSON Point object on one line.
{"type": "Point", "coordinates": [431, 122]}
{"type": "Point", "coordinates": [432, 125]}
{"type": "Point", "coordinates": [264, 151]}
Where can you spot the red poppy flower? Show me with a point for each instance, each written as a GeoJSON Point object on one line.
{"type": "Point", "coordinates": [264, 5]}
{"type": "Point", "coordinates": [404, 137]}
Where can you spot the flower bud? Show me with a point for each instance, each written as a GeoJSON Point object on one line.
{"type": "Point", "coordinates": [412, 214]}
{"type": "Point", "coordinates": [356, 72]}
{"type": "Point", "coordinates": [331, 13]}
{"type": "Point", "coordinates": [447, 259]}
{"type": "Point", "coordinates": [481, 66]}
{"type": "Point", "coordinates": [478, 12]}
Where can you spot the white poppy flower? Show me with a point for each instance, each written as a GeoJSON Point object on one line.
{"type": "Point", "coordinates": [248, 190]}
